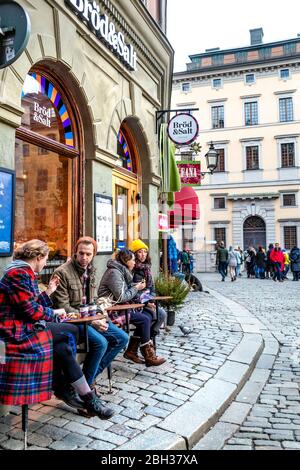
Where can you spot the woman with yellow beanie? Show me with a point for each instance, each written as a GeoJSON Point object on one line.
{"type": "Point", "coordinates": [142, 270]}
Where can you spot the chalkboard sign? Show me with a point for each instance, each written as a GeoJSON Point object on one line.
{"type": "Point", "coordinates": [7, 196]}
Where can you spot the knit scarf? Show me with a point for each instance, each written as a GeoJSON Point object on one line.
{"type": "Point", "coordinates": [145, 268]}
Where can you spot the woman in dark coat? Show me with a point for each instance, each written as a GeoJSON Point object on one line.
{"type": "Point", "coordinates": [35, 344]}
{"type": "Point", "coordinates": [117, 280]}
{"type": "Point", "coordinates": [295, 263]}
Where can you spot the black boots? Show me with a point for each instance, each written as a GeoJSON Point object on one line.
{"type": "Point", "coordinates": [69, 396]}
{"type": "Point", "coordinates": [94, 406]}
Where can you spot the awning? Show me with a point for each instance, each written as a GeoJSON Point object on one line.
{"type": "Point", "coordinates": [186, 207]}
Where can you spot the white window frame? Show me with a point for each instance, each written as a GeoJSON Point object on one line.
{"type": "Point", "coordinates": [189, 87]}
{"type": "Point", "coordinates": [252, 143]}
{"type": "Point", "coordinates": [282, 96]}
{"type": "Point", "coordinates": [212, 83]}
{"type": "Point", "coordinates": [284, 79]}
{"type": "Point", "coordinates": [221, 196]}
{"type": "Point", "coordinates": [287, 140]}
{"type": "Point", "coordinates": [245, 79]}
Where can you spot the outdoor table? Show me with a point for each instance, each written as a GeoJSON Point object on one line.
{"type": "Point", "coordinates": [125, 307]}
{"type": "Point", "coordinates": [85, 322]}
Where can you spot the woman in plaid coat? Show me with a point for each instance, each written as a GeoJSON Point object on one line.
{"type": "Point", "coordinates": [32, 338]}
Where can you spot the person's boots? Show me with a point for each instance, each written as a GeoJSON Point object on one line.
{"type": "Point", "coordinates": [131, 352]}
{"type": "Point", "coordinates": [94, 406]}
{"type": "Point", "coordinates": [151, 359]}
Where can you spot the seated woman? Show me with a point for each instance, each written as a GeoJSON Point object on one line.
{"type": "Point", "coordinates": [35, 340]}
{"type": "Point", "coordinates": [142, 270]}
{"type": "Point", "coordinates": [117, 280]}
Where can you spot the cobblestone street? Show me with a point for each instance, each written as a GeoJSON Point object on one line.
{"type": "Point", "coordinates": [232, 383]}
{"type": "Point", "coordinates": [274, 420]}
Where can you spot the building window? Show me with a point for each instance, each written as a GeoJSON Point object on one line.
{"type": "Point", "coordinates": [217, 83]}
{"type": "Point", "coordinates": [286, 112]}
{"type": "Point", "coordinates": [42, 151]}
{"type": "Point", "coordinates": [219, 203]}
{"type": "Point", "coordinates": [250, 78]}
{"type": "Point", "coordinates": [25, 150]}
{"type": "Point", "coordinates": [241, 56]}
{"type": "Point", "coordinates": [287, 155]}
{"type": "Point", "coordinates": [42, 180]}
{"type": "Point", "coordinates": [186, 87]}
{"type": "Point", "coordinates": [221, 161]}
{"type": "Point", "coordinates": [217, 117]}
{"type": "Point", "coordinates": [284, 74]}
{"type": "Point", "coordinates": [251, 113]}
{"type": "Point", "coordinates": [289, 200]}
{"type": "Point", "coordinates": [290, 237]}
{"type": "Point", "coordinates": [217, 59]}
{"type": "Point", "coordinates": [188, 238]}
{"type": "Point", "coordinates": [289, 49]}
{"type": "Point", "coordinates": [252, 158]}
{"type": "Point", "coordinates": [220, 235]}
{"type": "Point", "coordinates": [265, 53]}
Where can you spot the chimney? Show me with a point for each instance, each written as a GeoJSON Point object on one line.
{"type": "Point", "coordinates": [256, 36]}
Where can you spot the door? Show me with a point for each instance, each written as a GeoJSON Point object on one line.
{"type": "Point", "coordinates": [126, 209]}
{"type": "Point", "coordinates": [254, 232]}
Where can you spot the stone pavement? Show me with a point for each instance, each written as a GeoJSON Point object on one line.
{"type": "Point", "coordinates": [266, 413]}
{"type": "Point", "coordinates": [208, 373]}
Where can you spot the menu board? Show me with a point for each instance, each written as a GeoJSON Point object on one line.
{"type": "Point", "coordinates": [103, 224]}
{"type": "Point", "coordinates": [7, 190]}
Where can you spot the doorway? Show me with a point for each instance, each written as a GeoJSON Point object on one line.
{"type": "Point", "coordinates": [254, 232]}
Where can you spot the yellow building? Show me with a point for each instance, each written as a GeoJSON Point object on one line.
{"type": "Point", "coordinates": [249, 107]}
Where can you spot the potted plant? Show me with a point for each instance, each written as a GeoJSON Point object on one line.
{"type": "Point", "coordinates": [175, 288]}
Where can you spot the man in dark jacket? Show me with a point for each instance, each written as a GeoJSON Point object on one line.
{"type": "Point", "coordinates": [77, 286]}
{"type": "Point", "coordinates": [295, 263]}
{"type": "Point", "coordinates": [222, 260]}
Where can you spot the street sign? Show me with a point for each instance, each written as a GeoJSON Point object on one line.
{"type": "Point", "coordinates": [183, 129]}
{"type": "Point", "coordinates": [15, 30]}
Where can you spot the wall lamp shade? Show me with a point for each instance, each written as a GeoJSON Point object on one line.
{"type": "Point", "coordinates": [212, 158]}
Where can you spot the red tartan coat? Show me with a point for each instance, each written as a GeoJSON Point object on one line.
{"type": "Point", "coordinates": [26, 374]}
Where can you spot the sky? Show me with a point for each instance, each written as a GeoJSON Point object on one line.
{"type": "Point", "coordinates": [196, 25]}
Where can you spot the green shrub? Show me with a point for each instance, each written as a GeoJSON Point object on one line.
{"type": "Point", "coordinates": [171, 286]}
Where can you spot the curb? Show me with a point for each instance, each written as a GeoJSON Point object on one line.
{"type": "Point", "coordinates": [189, 423]}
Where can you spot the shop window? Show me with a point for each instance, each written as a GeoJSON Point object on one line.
{"type": "Point", "coordinates": [123, 151]}
{"type": "Point", "coordinates": [46, 164]}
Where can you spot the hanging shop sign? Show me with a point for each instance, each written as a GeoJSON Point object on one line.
{"type": "Point", "coordinates": [103, 223]}
{"type": "Point", "coordinates": [183, 129]}
{"type": "Point", "coordinates": [163, 224]}
{"type": "Point", "coordinates": [14, 32]}
{"type": "Point", "coordinates": [190, 173]}
{"type": "Point", "coordinates": [105, 30]}
{"type": "Point", "coordinates": [7, 191]}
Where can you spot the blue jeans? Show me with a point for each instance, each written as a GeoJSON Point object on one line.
{"type": "Point", "coordinates": [103, 348]}
{"type": "Point", "coordinates": [222, 268]}
{"type": "Point", "coordinates": [278, 273]}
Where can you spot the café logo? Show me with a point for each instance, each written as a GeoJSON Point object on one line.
{"type": "Point", "coordinates": [183, 129]}
{"type": "Point", "coordinates": [105, 30]}
{"type": "Point", "coordinates": [42, 115]}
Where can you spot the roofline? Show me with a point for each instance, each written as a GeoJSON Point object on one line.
{"type": "Point", "coordinates": [246, 48]}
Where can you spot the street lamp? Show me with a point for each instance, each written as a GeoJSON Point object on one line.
{"type": "Point", "coordinates": [212, 158]}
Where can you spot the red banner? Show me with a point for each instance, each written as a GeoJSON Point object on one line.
{"type": "Point", "coordinates": [163, 224]}
{"type": "Point", "coordinates": [190, 173]}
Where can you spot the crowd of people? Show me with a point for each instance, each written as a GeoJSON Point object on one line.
{"type": "Point", "coordinates": [40, 346]}
{"type": "Point", "coordinates": [273, 263]}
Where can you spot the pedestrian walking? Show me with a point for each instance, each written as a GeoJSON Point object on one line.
{"type": "Point", "coordinates": [222, 260]}
{"type": "Point", "coordinates": [277, 259]}
{"type": "Point", "coordinates": [295, 262]}
{"type": "Point", "coordinates": [260, 263]}
{"type": "Point", "coordinates": [232, 263]}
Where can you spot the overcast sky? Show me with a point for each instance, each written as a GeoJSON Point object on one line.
{"type": "Point", "coordinates": [196, 25]}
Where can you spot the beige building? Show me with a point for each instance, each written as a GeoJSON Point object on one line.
{"type": "Point", "coordinates": [77, 125]}
{"type": "Point", "coordinates": [249, 107]}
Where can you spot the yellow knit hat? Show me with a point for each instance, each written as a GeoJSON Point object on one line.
{"type": "Point", "coordinates": [137, 245]}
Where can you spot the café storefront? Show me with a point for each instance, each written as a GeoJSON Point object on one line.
{"type": "Point", "coordinates": [77, 125]}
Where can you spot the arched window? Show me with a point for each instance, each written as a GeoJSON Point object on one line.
{"type": "Point", "coordinates": [47, 167]}
{"type": "Point", "coordinates": [254, 232]}
{"type": "Point", "coordinates": [125, 159]}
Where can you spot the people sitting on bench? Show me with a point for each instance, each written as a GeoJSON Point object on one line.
{"type": "Point", "coordinates": [118, 281]}
{"type": "Point", "coordinates": [77, 285]}
{"type": "Point", "coordinates": [38, 348]}
{"type": "Point", "coordinates": [142, 270]}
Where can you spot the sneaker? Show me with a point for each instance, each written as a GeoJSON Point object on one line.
{"type": "Point", "coordinates": [70, 397]}
{"type": "Point", "coordinates": [94, 406]}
